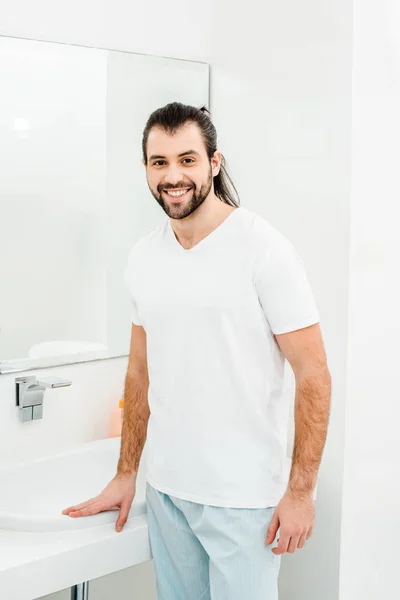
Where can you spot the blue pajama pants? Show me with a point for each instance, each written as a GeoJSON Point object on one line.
{"type": "Point", "coordinates": [204, 552]}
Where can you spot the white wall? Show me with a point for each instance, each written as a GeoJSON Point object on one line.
{"type": "Point", "coordinates": [281, 98]}
{"type": "Point", "coordinates": [371, 499]}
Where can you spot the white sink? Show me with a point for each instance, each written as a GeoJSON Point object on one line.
{"type": "Point", "coordinates": [33, 494]}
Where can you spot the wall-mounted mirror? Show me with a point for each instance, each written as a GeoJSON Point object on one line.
{"type": "Point", "coordinates": [73, 193]}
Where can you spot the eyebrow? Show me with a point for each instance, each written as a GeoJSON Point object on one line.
{"type": "Point", "coordinates": [156, 156]}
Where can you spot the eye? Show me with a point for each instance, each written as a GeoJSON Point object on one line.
{"type": "Point", "coordinates": [190, 159]}
{"type": "Point", "coordinates": [157, 163]}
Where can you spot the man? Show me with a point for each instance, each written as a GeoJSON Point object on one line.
{"type": "Point", "coordinates": [220, 299]}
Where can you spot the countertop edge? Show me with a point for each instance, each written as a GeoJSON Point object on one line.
{"type": "Point", "coordinates": [107, 554]}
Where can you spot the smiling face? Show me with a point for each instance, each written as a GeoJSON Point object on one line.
{"type": "Point", "coordinates": [179, 172]}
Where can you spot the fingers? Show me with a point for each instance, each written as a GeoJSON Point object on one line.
{"type": "Point", "coordinates": [291, 543]}
{"type": "Point", "coordinates": [302, 540]}
{"type": "Point", "coordinates": [66, 511]}
{"type": "Point", "coordinates": [91, 509]}
{"type": "Point", "coordinates": [123, 515]}
{"type": "Point", "coordinates": [283, 544]}
{"type": "Point", "coordinates": [272, 529]}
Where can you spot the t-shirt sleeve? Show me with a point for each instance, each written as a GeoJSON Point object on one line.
{"type": "Point", "coordinates": [284, 290]}
{"type": "Point", "coordinates": [129, 283]}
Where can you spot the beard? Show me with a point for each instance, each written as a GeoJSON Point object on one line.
{"type": "Point", "coordinates": [184, 209]}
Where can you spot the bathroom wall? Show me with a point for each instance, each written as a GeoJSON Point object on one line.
{"type": "Point", "coordinates": [371, 498]}
{"type": "Point", "coordinates": [281, 100]}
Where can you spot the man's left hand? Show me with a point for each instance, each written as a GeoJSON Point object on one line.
{"type": "Point", "coordinates": [294, 515]}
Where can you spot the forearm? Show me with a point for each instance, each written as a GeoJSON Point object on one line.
{"type": "Point", "coordinates": [312, 408]}
{"type": "Point", "coordinates": [134, 425]}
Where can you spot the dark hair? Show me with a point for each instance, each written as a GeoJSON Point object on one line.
{"type": "Point", "coordinates": [173, 116]}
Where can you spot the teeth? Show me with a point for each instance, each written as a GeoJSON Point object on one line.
{"type": "Point", "coordinates": [176, 194]}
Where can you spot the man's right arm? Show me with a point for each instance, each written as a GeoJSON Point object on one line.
{"type": "Point", "coordinates": [136, 406]}
{"type": "Point", "coordinates": [121, 490]}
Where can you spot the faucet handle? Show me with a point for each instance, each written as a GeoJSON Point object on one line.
{"type": "Point", "coordinates": [29, 394]}
{"type": "Point", "coordinates": [53, 382]}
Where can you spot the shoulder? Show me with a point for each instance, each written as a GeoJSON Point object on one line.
{"type": "Point", "coordinates": [262, 236]}
{"type": "Point", "coordinates": [143, 250]}
{"type": "Point", "coordinates": [145, 243]}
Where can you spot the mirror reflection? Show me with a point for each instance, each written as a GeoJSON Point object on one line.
{"type": "Point", "coordinates": [73, 193]}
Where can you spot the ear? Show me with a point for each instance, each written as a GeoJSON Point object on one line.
{"type": "Point", "coordinates": [216, 163]}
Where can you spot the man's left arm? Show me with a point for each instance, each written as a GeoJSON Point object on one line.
{"type": "Point", "coordinates": [295, 514]}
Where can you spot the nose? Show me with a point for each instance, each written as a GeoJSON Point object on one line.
{"type": "Point", "coordinates": [174, 175]}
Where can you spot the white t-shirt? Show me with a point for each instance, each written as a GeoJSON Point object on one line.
{"type": "Point", "coordinates": [217, 431]}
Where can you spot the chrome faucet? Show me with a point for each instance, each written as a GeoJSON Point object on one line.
{"type": "Point", "coordinates": [29, 393]}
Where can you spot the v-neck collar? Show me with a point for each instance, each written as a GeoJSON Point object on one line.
{"type": "Point", "coordinates": [201, 243]}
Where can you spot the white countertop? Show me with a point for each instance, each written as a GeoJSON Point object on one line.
{"type": "Point", "coordinates": [43, 551]}
{"type": "Point", "coordinates": [36, 564]}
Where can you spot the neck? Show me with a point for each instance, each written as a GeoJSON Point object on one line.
{"type": "Point", "coordinates": [210, 214]}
